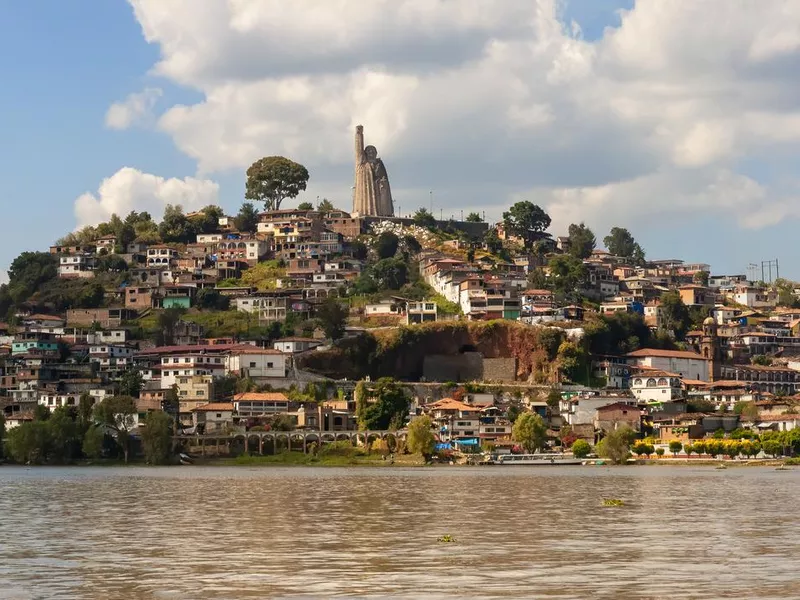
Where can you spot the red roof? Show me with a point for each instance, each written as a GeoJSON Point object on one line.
{"type": "Point", "coordinates": [260, 397]}
{"type": "Point", "coordinates": [656, 353]}
{"type": "Point", "coordinates": [214, 406]}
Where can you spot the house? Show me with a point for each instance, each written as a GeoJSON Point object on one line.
{"type": "Point", "coordinates": [696, 295]}
{"type": "Point", "coordinates": [104, 317]}
{"type": "Point", "coordinates": [683, 427]}
{"type": "Point", "coordinates": [254, 404]}
{"type": "Point", "coordinates": [455, 420]}
{"type": "Point", "coordinates": [214, 417]}
{"type": "Point", "coordinates": [534, 298]}
{"type": "Point", "coordinates": [106, 243]}
{"type": "Point", "coordinates": [138, 297]}
{"type": "Point", "coordinates": [652, 385]}
{"type": "Point", "coordinates": [293, 345]}
{"type": "Point", "coordinates": [617, 415]}
{"type": "Point", "coordinates": [77, 266]}
{"type": "Point", "coordinates": [424, 311]}
{"type": "Point", "coordinates": [685, 364]}
{"type": "Point", "coordinates": [384, 308]}
{"type": "Point", "coordinates": [581, 410]}
{"type": "Point", "coordinates": [616, 374]}
{"type": "Point", "coordinates": [18, 418]}
{"type": "Point", "coordinates": [160, 256]}
{"type": "Point", "coordinates": [194, 390]}
{"type": "Point", "coordinates": [248, 249]}
{"type": "Point", "coordinates": [255, 363]}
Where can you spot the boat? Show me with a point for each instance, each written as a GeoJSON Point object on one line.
{"type": "Point", "coordinates": [185, 459]}
{"type": "Point", "coordinates": [538, 460]}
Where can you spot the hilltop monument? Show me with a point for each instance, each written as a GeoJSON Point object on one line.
{"type": "Point", "coordinates": [372, 196]}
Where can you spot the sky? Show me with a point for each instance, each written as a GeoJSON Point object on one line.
{"type": "Point", "coordinates": [677, 120]}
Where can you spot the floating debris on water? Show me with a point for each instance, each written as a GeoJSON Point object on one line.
{"type": "Point", "coordinates": [613, 502]}
{"type": "Point", "coordinates": [447, 539]}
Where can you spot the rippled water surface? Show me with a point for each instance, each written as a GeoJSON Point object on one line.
{"type": "Point", "coordinates": [192, 532]}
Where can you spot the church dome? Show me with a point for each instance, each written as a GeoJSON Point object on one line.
{"type": "Point", "coordinates": [709, 321]}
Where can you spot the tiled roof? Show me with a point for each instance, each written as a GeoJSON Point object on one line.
{"type": "Point", "coordinates": [214, 406]}
{"type": "Point", "coordinates": [260, 397]}
{"type": "Point", "coordinates": [656, 353]}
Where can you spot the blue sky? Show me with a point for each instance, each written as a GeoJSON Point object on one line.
{"type": "Point", "coordinates": [65, 63]}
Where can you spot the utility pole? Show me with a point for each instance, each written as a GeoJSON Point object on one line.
{"type": "Point", "coordinates": [431, 193]}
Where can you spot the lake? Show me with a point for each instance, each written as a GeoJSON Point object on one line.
{"type": "Point", "coordinates": [532, 532]}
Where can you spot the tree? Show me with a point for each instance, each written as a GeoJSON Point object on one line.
{"type": "Point", "coordinates": [530, 431]}
{"type": "Point", "coordinates": [581, 241]}
{"type": "Point", "coordinates": [207, 220]}
{"type": "Point", "coordinates": [93, 441]}
{"type": "Point", "coordinates": [761, 360]}
{"type": "Point", "coordinates": [386, 245]}
{"type": "Point", "coordinates": [333, 317]}
{"type": "Point", "coordinates": [211, 299]}
{"type": "Point", "coordinates": [493, 242]}
{"type": "Point", "coordinates": [29, 442]}
{"type": "Point", "coordinates": [747, 410]}
{"type": "Point", "coordinates": [553, 399]}
{"type": "Point", "coordinates": [175, 226]}
{"type": "Point", "coordinates": [112, 263]}
{"type": "Point", "coordinates": [615, 446]}
{"type": "Point", "coordinates": [118, 413]}
{"type": "Point", "coordinates": [130, 383]}
{"type": "Point", "coordinates": [642, 449]}
{"type": "Point", "coordinates": [772, 447]}
{"type": "Point", "coordinates": [168, 320]}
{"type": "Point", "coordinates": [420, 437]}
{"type": "Point", "coordinates": [675, 446]}
{"type": "Point", "coordinates": [390, 273]}
{"type": "Point", "coordinates": [659, 452]}
{"type": "Point", "coordinates": [305, 206]}
{"type": "Point", "coordinates": [380, 404]}
{"type": "Point", "coordinates": [157, 437]}
{"type": "Point", "coordinates": [325, 206]}
{"type": "Point", "coordinates": [246, 221]}
{"type": "Point", "coordinates": [411, 244]}
{"type": "Point", "coordinates": [28, 272]}
{"type": "Point", "coordinates": [581, 449]}
{"type": "Point", "coordinates": [620, 242]}
{"type": "Point", "coordinates": [474, 217]}
{"type": "Point", "coordinates": [527, 221]}
{"type": "Point", "coordinates": [358, 250]}
{"type": "Point", "coordinates": [674, 313]}
{"type": "Point", "coordinates": [701, 278]}
{"type": "Point", "coordinates": [567, 274]}
{"type": "Point", "coordinates": [273, 179]}
{"type": "Point", "coordinates": [62, 431]}
{"type": "Point", "coordinates": [424, 218]}
{"type": "Point", "coordinates": [514, 410]}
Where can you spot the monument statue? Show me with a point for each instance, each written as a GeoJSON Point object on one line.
{"type": "Point", "coordinates": [372, 196]}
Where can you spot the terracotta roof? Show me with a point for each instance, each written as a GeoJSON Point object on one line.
{"type": "Point", "coordinates": [452, 404]}
{"type": "Point", "coordinates": [651, 372]}
{"type": "Point", "coordinates": [216, 348]}
{"type": "Point", "coordinates": [298, 339]}
{"type": "Point", "coordinates": [40, 317]}
{"type": "Point", "coordinates": [619, 405]}
{"type": "Point", "coordinates": [647, 352]}
{"type": "Point", "coordinates": [214, 406]}
{"type": "Point", "coordinates": [247, 349]}
{"type": "Point", "coordinates": [792, 417]}
{"type": "Point", "coordinates": [260, 397]}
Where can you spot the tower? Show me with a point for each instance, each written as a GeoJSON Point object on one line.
{"type": "Point", "coordinates": [710, 349]}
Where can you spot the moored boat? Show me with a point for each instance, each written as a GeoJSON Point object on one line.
{"type": "Point", "coordinates": [538, 459]}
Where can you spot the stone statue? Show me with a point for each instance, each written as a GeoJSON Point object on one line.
{"type": "Point", "coordinates": [373, 196]}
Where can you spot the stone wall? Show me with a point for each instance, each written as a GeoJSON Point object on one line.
{"type": "Point", "coordinates": [499, 369]}
{"type": "Point", "coordinates": [461, 367]}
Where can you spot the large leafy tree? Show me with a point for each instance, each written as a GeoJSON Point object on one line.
{"type": "Point", "coordinates": [474, 217]}
{"type": "Point", "coordinates": [530, 431]}
{"type": "Point", "coordinates": [175, 226]}
{"type": "Point", "coordinates": [390, 273]}
{"type": "Point", "coordinates": [674, 313]}
{"type": "Point", "coordinates": [273, 179]}
{"type": "Point", "coordinates": [130, 383]}
{"type": "Point", "coordinates": [118, 413]}
{"type": "Point", "coordinates": [567, 274]}
{"type": "Point", "coordinates": [620, 242]}
{"type": "Point", "coordinates": [420, 436]}
{"type": "Point", "coordinates": [333, 317]}
{"type": "Point", "coordinates": [386, 245]}
{"type": "Point", "coordinates": [157, 438]}
{"type": "Point", "coordinates": [424, 218]}
{"type": "Point", "coordinates": [207, 221]}
{"type": "Point", "coordinates": [581, 241]}
{"type": "Point", "coordinates": [305, 206]}
{"type": "Point", "coordinates": [326, 206]}
{"type": "Point", "coordinates": [527, 221]}
{"type": "Point", "coordinates": [28, 272]}
{"type": "Point", "coordinates": [247, 219]}
{"type": "Point", "coordinates": [382, 404]}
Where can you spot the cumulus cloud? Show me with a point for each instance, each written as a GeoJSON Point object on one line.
{"type": "Point", "coordinates": [134, 109]}
{"type": "Point", "coordinates": [485, 101]}
{"type": "Point", "coordinates": [129, 189]}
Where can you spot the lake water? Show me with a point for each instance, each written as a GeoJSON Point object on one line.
{"type": "Point", "coordinates": [536, 532]}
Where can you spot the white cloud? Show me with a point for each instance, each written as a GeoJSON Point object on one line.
{"type": "Point", "coordinates": [135, 108]}
{"type": "Point", "coordinates": [129, 189]}
{"type": "Point", "coordinates": [484, 100]}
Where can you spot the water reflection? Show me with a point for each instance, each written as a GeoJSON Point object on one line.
{"type": "Point", "coordinates": [521, 532]}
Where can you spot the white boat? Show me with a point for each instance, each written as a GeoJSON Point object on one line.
{"type": "Point", "coordinates": [538, 459]}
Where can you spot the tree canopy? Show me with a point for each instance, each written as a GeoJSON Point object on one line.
{"type": "Point", "coordinates": [420, 436]}
{"type": "Point", "coordinates": [118, 413]}
{"type": "Point", "coordinates": [527, 221]}
{"type": "Point", "coordinates": [530, 431]}
{"type": "Point", "coordinates": [325, 206]}
{"type": "Point", "coordinates": [333, 317]}
{"type": "Point", "coordinates": [246, 221]}
{"type": "Point", "coordinates": [176, 226]}
{"type": "Point", "coordinates": [305, 206]}
{"type": "Point", "coordinates": [386, 245]}
{"type": "Point", "coordinates": [381, 405]}
{"type": "Point", "coordinates": [274, 178]}
{"type": "Point", "coordinates": [581, 241]}
{"type": "Point", "coordinates": [424, 218]}
{"type": "Point", "coordinates": [474, 217]}
{"type": "Point", "coordinates": [674, 313]}
{"type": "Point", "coordinates": [620, 242]}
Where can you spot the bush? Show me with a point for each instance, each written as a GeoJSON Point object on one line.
{"type": "Point", "coordinates": [581, 449]}
{"type": "Point", "coordinates": [675, 446]}
{"type": "Point", "coordinates": [659, 452]}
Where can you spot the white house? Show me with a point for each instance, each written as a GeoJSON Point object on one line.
{"type": "Point", "coordinates": [189, 365]}
{"type": "Point", "coordinates": [209, 238]}
{"type": "Point", "coordinates": [253, 362]}
{"type": "Point", "coordinates": [213, 417]}
{"type": "Point", "coordinates": [656, 386]}
{"type": "Point", "coordinates": [688, 365]}
{"type": "Point", "coordinates": [291, 345]}
{"type": "Point", "coordinates": [421, 312]}
{"type": "Point", "coordinates": [581, 410]}
{"type": "Point", "coordinates": [79, 265]}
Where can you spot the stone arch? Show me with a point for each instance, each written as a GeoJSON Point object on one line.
{"type": "Point", "coordinates": [651, 382]}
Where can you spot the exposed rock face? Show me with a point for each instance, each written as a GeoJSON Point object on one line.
{"type": "Point", "coordinates": [373, 196]}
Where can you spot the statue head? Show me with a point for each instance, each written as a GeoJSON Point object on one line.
{"type": "Point", "coordinates": [371, 152]}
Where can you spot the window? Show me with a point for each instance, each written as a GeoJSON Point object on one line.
{"type": "Point", "coordinates": [201, 393]}
{"type": "Point", "coordinates": [269, 365]}
{"type": "Point", "coordinates": [252, 365]}
{"type": "Point", "coordinates": [219, 415]}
